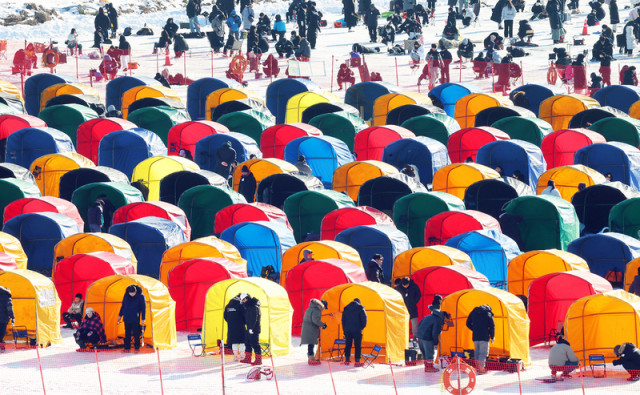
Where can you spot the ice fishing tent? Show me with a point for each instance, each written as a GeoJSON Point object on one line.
{"type": "Point", "coordinates": [7, 262]}
{"type": "Point", "coordinates": [490, 252]}
{"type": "Point", "coordinates": [43, 204]}
{"type": "Point", "coordinates": [92, 102]}
{"type": "Point", "coordinates": [238, 105]}
{"type": "Point", "coordinates": [274, 139]}
{"type": "Point", "coordinates": [400, 115]}
{"type": "Point", "coordinates": [447, 95]}
{"type": "Point", "coordinates": [469, 106]}
{"type": "Point", "coordinates": [11, 104]}
{"type": "Point", "coordinates": [10, 123]}
{"type": "Point", "coordinates": [199, 90]}
{"type": "Point", "coordinates": [559, 148]}
{"type": "Point", "coordinates": [418, 258]}
{"type": "Point", "coordinates": [349, 178]}
{"type": "Point", "coordinates": [343, 218]}
{"type": "Point", "coordinates": [117, 86]}
{"type": "Point", "coordinates": [514, 155]}
{"type": "Point", "coordinates": [595, 324]}
{"type": "Point", "coordinates": [322, 249]}
{"type": "Point", "coordinates": [559, 109]}
{"type": "Point", "coordinates": [369, 144]}
{"type": "Point", "coordinates": [173, 185]}
{"type": "Point", "coordinates": [189, 282]}
{"type": "Point", "coordinates": [323, 154]}
{"type": "Point", "coordinates": [327, 108]}
{"type": "Point", "coordinates": [491, 115]}
{"type": "Point", "coordinates": [147, 102]}
{"type": "Point", "coordinates": [436, 126]}
{"type": "Point", "coordinates": [47, 170]}
{"type": "Point", "coordinates": [10, 170]}
{"type": "Point", "coordinates": [77, 178]}
{"type": "Point", "coordinates": [280, 91]}
{"type": "Point", "coordinates": [36, 84]}
{"type": "Point", "coordinates": [301, 101]}
{"type": "Point", "coordinates": [455, 178]}
{"type": "Point", "coordinates": [133, 211]}
{"type": "Point", "coordinates": [425, 153]}
{"type": "Point", "coordinates": [363, 95]}
{"type": "Point", "coordinates": [249, 122]}
{"type": "Point", "coordinates": [276, 188]}
{"type": "Point", "coordinates": [38, 233]}
{"type": "Point", "coordinates": [12, 189]}
{"type": "Point", "coordinates": [275, 312]}
{"type": "Point", "coordinates": [90, 133]}
{"type": "Point", "coordinates": [11, 247]}
{"type": "Point", "coordinates": [530, 129]}
{"type": "Point", "coordinates": [387, 319]}
{"type": "Point", "coordinates": [36, 305]}
{"type": "Point", "coordinates": [489, 196]}
{"type": "Point", "coordinates": [594, 204]}
{"type": "Point", "coordinates": [142, 91]}
{"type": "Point", "coordinates": [158, 119]}
{"type": "Point", "coordinates": [586, 118]}
{"type": "Point", "coordinates": [631, 271]}
{"type": "Point", "coordinates": [567, 179]}
{"type": "Point", "coordinates": [28, 144]}
{"type": "Point", "coordinates": [620, 97]}
{"type": "Point", "coordinates": [441, 227]}
{"type": "Point", "coordinates": [205, 151]}
{"type": "Point", "coordinates": [621, 129]}
{"type": "Point", "coordinates": [225, 95]}
{"type": "Point", "coordinates": [619, 159]}
{"type": "Point", "coordinates": [382, 192]}
{"type": "Point", "coordinates": [248, 212]}
{"type": "Point", "coordinates": [261, 169]}
{"type": "Point", "coordinates": [151, 171]}
{"type": "Point", "coordinates": [342, 125]}
{"type": "Point", "coordinates": [624, 217]}
{"type": "Point", "coordinates": [201, 204]}
{"type": "Point", "coordinates": [306, 209]}
{"type": "Point", "coordinates": [465, 143]}
{"type": "Point", "coordinates": [509, 315]}
{"type": "Point", "coordinates": [385, 103]}
{"type": "Point", "coordinates": [149, 238]}
{"type": "Point", "coordinates": [187, 134]}
{"type": "Point", "coordinates": [105, 297]}
{"type": "Point", "coordinates": [123, 150]}
{"type": "Point", "coordinates": [67, 118]}
{"type": "Point", "coordinates": [536, 94]}
{"type": "Point", "coordinates": [83, 243]}
{"type": "Point", "coordinates": [118, 193]}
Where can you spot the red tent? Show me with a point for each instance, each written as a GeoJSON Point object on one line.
{"type": "Point", "coordinates": [443, 281]}
{"type": "Point", "coordinates": [7, 262]}
{"type": "Point", "coordinates": [43, 204]}
{"type": "Point", "coordinates": [370, 143]}
{"type": "Point", "coordinates": [441, 227]}
{"type": "Point", "coordinates": [551, 295]}
{"type": "Point", "coordinates": [76, 273]}
{"type": "Point", "coordinates": [91, 132]}
{"type": "Point", "coordinates": [559, 148]}
{"type": "Point", "coordinates": [188, 285]}
{"type": "Point", "coordinates": [274, 139]}
{"type": "Point", "coordinates": [11, 123]}
{"type": "Point", "coordinates": [347, 217]}
{"type": "Point", "coordinates": [133, 211]}
{"type": "Point", "coordinates": [187, 134]}
{"type": "Point", "coordinates": [248, 212]}
{"type": "Point", "coordinates": [466, 142]}
{"type": "Point", "coordinates": [311, 279]}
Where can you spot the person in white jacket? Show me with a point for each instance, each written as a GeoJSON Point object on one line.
{"type": "Point", "coordinates": [551, 189]}
{"type": "Point", "coordinates": [508, 15]}
{"type": "Point", "coordinates": [629, 39]}
{"type": "Point", "coordinates": [417, 53]}
{"type": "Point", "coordinates": [248, 16]}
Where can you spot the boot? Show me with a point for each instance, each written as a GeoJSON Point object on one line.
{"type": "Point", "coordinates": [247, 358]}
{"type": "Point", "coordinates": [313, 361]}
{"type": "Point", "coordinates": [79, 51]}
{"type": "Point", "coordinates": [429, 368]}
{"type": "Point", "coordinates": [258, 360]}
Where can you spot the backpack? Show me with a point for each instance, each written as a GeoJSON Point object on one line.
{"type": "Point", "coordinates": [127, 31]}
{"type": "Point", "coordinates": [257, 371]}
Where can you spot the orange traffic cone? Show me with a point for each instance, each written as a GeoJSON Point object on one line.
{"type": "Point", "coordinates": [585, 32]}
{"type": "Point", "coordinates": [167, 59]}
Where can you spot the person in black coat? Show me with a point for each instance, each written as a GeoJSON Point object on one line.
{"type": "Point", "coordinates": [102, 22]}
{"type": "Point", "coordinates": [388, 34]}
{"type": "Point", "coordinates": [247, 185]}
{"type": "Point", "coordinates": [629, 76]}
{"type": "Point", "coordinates": [596, 81]}
{"type": "Point", "coordinates": [411, 295]}
{"type": "Point", "coordinates": [602, 48]}
{"type": "Point", "coordinates": [614, 16]}
{"type": "Point", "coordinates": [496, 12]}
{"type": "Point", "coordinates": [252, 317]}
{"type": "Point", "coordinates": [133, 313]}
{"type": "Point", "coordinates": [171, 27]}
{"type": "Point", "coordinates": [164, 42]}
{"type": "Point", "coordinates": [363, 6]}
{"type": "Point", "coordinates": [374, 269]}
{"type": "Point", "coordinates": [163, 81]}
{"type": "Point", "coordinates": [629, 357]}
{"type": "Point", "coordinates": [354, 320]}
{"type": "Point", "coordinates": [6, 311]}
{"type": "Point", "coordinates": [480, 322]}
{"type": "Point", "coordinates": [236, 332]}
{"type": "Point", "coordinates": [225, 156]}
{"type": "Point", "coordinates": [252, 39]}
{"type": "Point", "coordinates": [284, 47]}
{"type": "Point", "coordinates": [349, 10]}
{"type": "Point", "coordinates": [112, 13]}
{"type": "Point", "coordinates": [180, 45]}
{"type": "Point", "coordinates": [314, 17]}
{"type": "Point", "coordinates": [371, 20]}
{"type": "Point", "coordinates": [553, 8]}
{"type": "Point", "coordinates": [226, 6]}
{"type": "Point", "coordinates": [264, 24]}
{"type": "Point", "coordinates": [301, 17]}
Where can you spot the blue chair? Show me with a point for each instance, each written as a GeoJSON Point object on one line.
{"type": "Point", "coordinates": [195, 341]}
{"type": "Point", "coordinates": [338, 348]}
{"type": "Point", "coordinates": [369, 358]}
{"type": "Point", "coordinates": [596, 360]}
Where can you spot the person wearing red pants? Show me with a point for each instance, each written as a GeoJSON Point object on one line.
{"type": "Point", "coordinates": [345, 75]}
{"type": "Point", "coordinates": [446, 59]}
{"type": "Point", "coordinates": [605, 70]}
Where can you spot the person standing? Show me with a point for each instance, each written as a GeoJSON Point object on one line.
{"type": "Point", "coordinates": [311, 325]}
{"type": "Point", "coordinates": [481, 324]}
{"type": "Point", "coordinates": [247, 185]}
{"type": "Point", "coordinates": [193, 10]}
{"type": "Point", "coordinates": [555, 20]}
{"type": "Point", "coordinates": [95, 216]}
{"type": "Point", "coordinates": [428, 335]}
{"type": "Point", "coordinates": [133, 312]}
{"type": "Point", "coordinates": [74, 313]}
{"type": "Point", "coordinates": [374, 269]}
{"type": "Point", "coordinates": [225, 156]}
{"type": "Point", "coordinates": [371, 20]}
{"type": "Point", "coordinates": [354, 320]}
{"type": "Point", "coordinates": [125, 47]}
{"type": "Point", "coordinates": [411, 295]}
{"type": "Point", "coordinates": [236, 332]}
{"type": "Point", "coordinates": [112, 13]}
{"type": "Point", "coordinates": [102, 23]}
{"type": "Point", "coordinates": [301, 18]}
{"type": "Point", "coordinates": [508, 15]}
{"type": "Point", "coordinates": [313, 25]}
{"type": "Point", "coordinates": [6, 312]}
{"type": "Point", "coordinates": [349, 10]}
{"type": "Point", "coordinates": [252, 316]}
{"type": "Point", "coordinates": [248, 16]}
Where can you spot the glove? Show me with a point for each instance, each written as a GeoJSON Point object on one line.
{"type": "Point", "coordinates": [251, 331]}
{"type": "Point", "coordinates": [324, 326]}
{"type": "Point", "coordinates": [617, 362]}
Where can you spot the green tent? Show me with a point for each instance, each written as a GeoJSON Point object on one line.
{"type": "Point", "coordinates": [306, 209]}
{"type": "Point", "coordinates": [624, 130]}
{"type": "Point", "coordinates": [532, 130]}
{"type": "Point", "coordinates": [12, 189]}
{"type": "Point", "coordinates": [159, 119]}
{"type": "Point", "coordinates": [67, 118]}
{"type": "Point", "coordinates": [118, 193]}
{"type": "Point", "coordinates": [547, 222]}
{"type": "Point", "coordinates": [248, 122]}
{"type": "Point", "coordinates": [411, 212]}
{"type": "Point", "coordinates": [624, 218]}
{"type": "Point", "coordinates": [201, 204]}
{"type": "Point", "coordinates": [436, 126]}
{"type": "Point", "coordinates": [341, 125]}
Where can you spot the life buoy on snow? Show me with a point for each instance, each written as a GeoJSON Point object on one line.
{"type": "Point", "coordinates": [238, 64]}
{"type": "Point", "coordinates": [50, 58]}
{"type": "Point", "coordinates": [457, 365]}
{"type": "Point", "coordinates": [552, 74]}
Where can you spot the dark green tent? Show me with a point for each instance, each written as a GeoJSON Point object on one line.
{"type": "Point", "coordinates": [306, 209]}
{"type": "Point", "coordinates": [201, 204]}
{"type": "Point", "coordinates": [436, 126]}
{"type": "Point", "coordinates": [118, 193]}
{"type": "Point", "coordinates": [67, 118]}
{"type": "Point", "coordinates": [248, 122]}
{"type": "Point", "coordinates": [624, 218]}
{"type": "Point", "coordinates": [623, 129]}
{"type": "Point", "coordinates": [12, 189]}
{"type": "Point", "coordinates": [158, 119]}
{"type": "Point", "coordinates": [532, 130]}
{"type": "Point", "coordinates": [341, 125]}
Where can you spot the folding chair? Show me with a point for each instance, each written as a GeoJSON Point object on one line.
{"type": "Point", "coordinates": [195, 341]}
{"type": "Point", "coordinates": [369, 358]}
{"type": "Point", "coordinates": [265, 349]}
{"type": "Point", "coordinates": [338, 348]}
{"type": "Point", "coordinates": [598, 360]}
{"type": "Point", "coordinates": [20, 333]}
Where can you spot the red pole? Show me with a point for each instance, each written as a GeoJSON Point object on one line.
{"type": "Point", "coordinates": [332, 61]}
{"type": "Point", "coordinates": [91, 79]}
{"type": "Point", "coordinates": [77, 76]}
{"type": "Point", "coordinates": [397, 79]}
{"type": "Point", "coordinates": [22, 82]}
{"type": "Point", "coordinates": [160, 371]}
{"type": "Point", "coordinates": [493, 77]}
{"type": "Point", "coordinates": [519, 381]}
{"type": "Point", "coordinates": [222, 355]}
{"type": "Point", "coordinates": [185, 66]}
{"type": "Point", "coordinates": [44, 390]}
{"type": "Point", "coordinates": [393, 377]}
{"type": "Point", "coordinates": [331, 375]}
{"type": "Point", "coordinates": [581, 367]}
{"type": "Point", "coordinates": [274, 375]}
{"type": "Point", "coordinates": [98, 366]}
{"type": "Point", "coordinates": [522, 71]}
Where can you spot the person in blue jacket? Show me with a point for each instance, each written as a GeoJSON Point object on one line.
{"type": "Point", "coordinates": [279, 29]}
{"type": "Point", "coordinates": [234, 22]}
{"type": "Point", "coordinates": [133, 313]}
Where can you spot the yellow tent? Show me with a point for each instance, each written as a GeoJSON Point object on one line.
{"type": "Point", "coordinates": [567, 179]}
{"type": "Point", "coordinates": [531, 265]}
{"type": "Point", "coordinates": [82, 243]}
{"type": "Point", "coordinates": [385, 103]}
{"type": "Point", "coordinates": [300, 102]}
{"type": "Point", "coordinates": [105, 297]}
{"type": "Point", "coordinates": [224, 95]}
{"type": "Point", "coordinates": [275, 309]}
{"type": "Point", "coordinates": [322, 249]}
{"type": "Point", "coordinates": [261, 169]}
{"type": "Point", "coordinates": [65, 89]}
{"type": "Point", "coordinates": [10, 89]}
{"type": "Point", "coordinates": [11, 246]}
{"type": "Point", "coordinates": [48, 169]}
{"type": "Point", "coordinates": [455, 178]}
{"type": "Point", "coordinates": [387, 319]}
{"type": "Point", "coordinates": [351, 176]}
{"type": "Point", "coordinates": [634, 110]}
{"type": "Point", "coordinates": [630, 272]}
{"type": "Point", "coordinates": [559, 109]}
{"type": "Point", "coordinates": [204, 247]}
{"type": "Point", "coordinates": [597, 323]}
{"type": "Point", "coordinates": [35, 305]}
{"type": "Point", "coordinates": [468, 106]}
{"type": "Point", "coordinates": [140, 92]}
{"type": "Point", "coordinates": [410, 261]}
{"type": "Point", "coordinates": [152, 170]}
{"type": "Point", "coordinates": [509, 315]}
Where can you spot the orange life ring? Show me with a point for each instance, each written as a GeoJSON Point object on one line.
{"type": "Point", "coordinates": [56, 58]}
{"type": "Point", "coordinates": [463, 368]}
{"type": "Point", "coordinates": [238, 64]}
{"type": "Point", "coordinates": [552, 74]}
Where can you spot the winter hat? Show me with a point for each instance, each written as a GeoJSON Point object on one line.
{"type": "Point", "coordinates": [111, 108]}
{"type": "Point", "coordinates": [406, 281]}
{"type": "Point", "coordinates": [377, 256]}
{"type": "Point", "coordinates": [89, 310]}
{"type": "Point", "coordinates": [325, 303]}
{"type": "Point", "coordinates": [437, 300]}
{"type": "Point", "coordinates": [357, 300]}
{"type": "Point", "coordinates": [132, 288]}
{"type": "Point", "coordinates": [617, 350]}
{"type": "Point", "coordinates": [307, 252]}
{"type": "Point", "coordinates": [245, 169]}
{"type": "Point", "coordinates": [244, 295]}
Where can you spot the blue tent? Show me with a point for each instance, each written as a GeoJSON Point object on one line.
{"type": "Point", "coordinates": [149, 238]}
{"type": "Point", "coordinates": [619, 159]}
{"type": "Point", "coordinates": [280, 91]}
{"type": "Point", "coordinates": [124, 149]}
{"type": "Point", "coordinates": [618, 96]}
{"type": "Point", "coordinates": [364, 94]}
{"type": "Point", "coordinates": [26, 145]}
{"type": "Point", "coordinates": [369, 240]}
{"type": "Point", "coordinates": [324, 155]}
{"type": "Point", "coordinates": [261, 243]}
{"type": "Point", "coordinates": [199, 90]}
{"type": "Point", "coordinates": [446, 95]}
{"type": "Point", "coordinates": [514, 155]}
{"type": "Point", "coordinates": [536, 94]}
{"type": "Point", "coordinates": [427, 154]}
{"type": "Point", "coordinates": [117, 87]}
{"type": "Point", "coordinates": [606, 252]}
{"type": "Point", "coordinates": [205, 155]}
{"type": "Point", "coordinates": [39, 233]}
{"type": "Point", "coordinates": [36, 84]}
{"type": "Point", "coordinates": [490, 252]}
